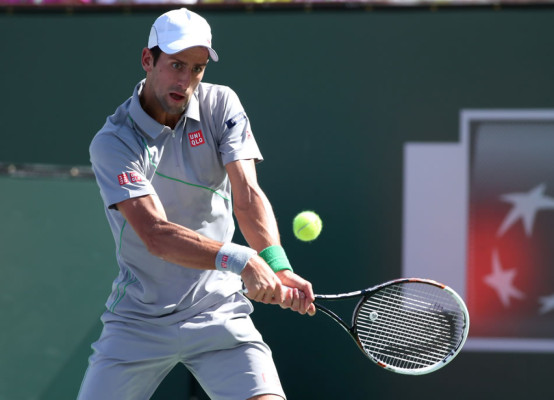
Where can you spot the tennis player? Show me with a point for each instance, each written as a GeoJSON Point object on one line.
{"type": "Point", "coordinates": [168, 162]}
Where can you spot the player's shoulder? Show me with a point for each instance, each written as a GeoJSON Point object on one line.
{"type": "Point", "coordinates": [212, 91]}
{"type": "Point", "coordinates": [116, 132]}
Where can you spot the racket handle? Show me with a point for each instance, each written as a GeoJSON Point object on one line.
{"type": "Point", "coordinates": [244, 290]}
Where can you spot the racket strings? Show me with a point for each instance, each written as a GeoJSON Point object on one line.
{"type": "Point", "coordinates": [406, 344]}
{"type": "Point", "coordinates": [416, 316]}
{"type": "Point", "coordinates": [410, 325]}
{"type": "Point", "coordinates": [410, 339]}
{"type": "Point", "coordinates": [403, 335]}
{"type": "Point", "coordinates": [409, 330]}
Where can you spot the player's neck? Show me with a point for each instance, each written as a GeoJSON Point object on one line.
{"type": "Point", "coordinates": [156, 111]}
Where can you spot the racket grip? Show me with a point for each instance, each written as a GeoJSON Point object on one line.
{"type": "Point", "coordinates": [244, 290]}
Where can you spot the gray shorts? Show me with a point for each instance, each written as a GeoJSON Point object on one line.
{"type": "Point", "coordinates": [221, 347]}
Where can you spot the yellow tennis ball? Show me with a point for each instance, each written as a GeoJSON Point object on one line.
{"type": "Point", "coordinates": [307, 226]}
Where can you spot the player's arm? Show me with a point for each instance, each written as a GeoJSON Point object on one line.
{"type": "Point", "coordinates": [259, 227]}
{"type": "Point", "coordinates": [179, 245]}
{"type": "Point", "coordinates": [166, 240]}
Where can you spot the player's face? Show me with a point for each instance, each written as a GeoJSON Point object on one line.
{"type": "Point", "coordinates": [173, 80]}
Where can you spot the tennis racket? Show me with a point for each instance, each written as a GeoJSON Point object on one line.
{"type": "Point", "coordinates": [409, 326]}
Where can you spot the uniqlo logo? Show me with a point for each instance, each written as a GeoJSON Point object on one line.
{"type": "Point", "coordinates": [196, 138]}
{"type": "Point", "coordinates": [224, 260]}
{"type": "Point", "coordinates": [134, 177]}
{"type": "Point", "coordinates": [123, 180]}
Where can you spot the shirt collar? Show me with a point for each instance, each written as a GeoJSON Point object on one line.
{"type": "Point", "coordinates": [149, 125]}
{"type": "Point", "coordinates": [193, 108]}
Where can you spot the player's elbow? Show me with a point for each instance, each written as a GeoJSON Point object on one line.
{"type": "Point", "coordinates": [245, 199]}
{"type": "Point", "coordinates": [153, 246]}
{"type": "Point", "coordinates": [240, 208]}
{"type": "Point", "coordinates": [153, 241]}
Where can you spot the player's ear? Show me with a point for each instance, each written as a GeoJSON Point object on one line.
{"type": "Point", "coordinates": [147, 60]}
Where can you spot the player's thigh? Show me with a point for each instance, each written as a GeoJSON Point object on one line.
{"type": "Point", "coordinates": [109, 380]}
{"type": "Point", "coordinates": [129, 362]}
{"type": "Point", "coordinates": [239, 365]}
{"type": "Point", "coordinates": [239, 373]}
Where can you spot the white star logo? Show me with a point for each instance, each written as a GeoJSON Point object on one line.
{"type": "Point", "coordinates": [525, 206]}
{"type": "Point", "coordinates": [502, 281]}
{"type": "Point", "coordinates": [547, 304]}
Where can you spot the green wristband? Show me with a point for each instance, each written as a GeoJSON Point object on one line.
{"type": "Point", "coordinates": [276, 258]}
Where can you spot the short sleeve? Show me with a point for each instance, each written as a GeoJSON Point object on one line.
{"type": "Point", "coordinates": [119, 168]}
{"type": "Point", "coordinates": [237, 141]}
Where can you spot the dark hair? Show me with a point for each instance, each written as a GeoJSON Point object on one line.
{"type": "Point", "coordinates": [156, 51]}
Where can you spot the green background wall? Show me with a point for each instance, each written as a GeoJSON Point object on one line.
{"type": "Point", "coordinates": [333, 95]}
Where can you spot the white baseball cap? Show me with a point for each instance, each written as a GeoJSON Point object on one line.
{"type": "Point", "coordinates": [178, 30]}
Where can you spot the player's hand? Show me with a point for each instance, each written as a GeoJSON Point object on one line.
{"type": "Point", "coordinates": [261, 283]}
{"type": "Point", "coordinates": [300, 296]}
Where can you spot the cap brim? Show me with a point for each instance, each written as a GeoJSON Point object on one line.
{"type": "Point", "coordinates": [180, 45]}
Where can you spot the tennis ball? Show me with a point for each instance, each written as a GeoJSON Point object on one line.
{"type": "Point", "coordinates": [307, 226]}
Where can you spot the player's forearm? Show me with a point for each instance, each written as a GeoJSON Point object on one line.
{"type": "Point", "coordinates": [257, 221]}
{"type": "Point", "coordinates": [179, 245]}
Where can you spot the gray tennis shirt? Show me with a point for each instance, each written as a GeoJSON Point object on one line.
{"type": "Point", "coordinates": [134, 155]}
